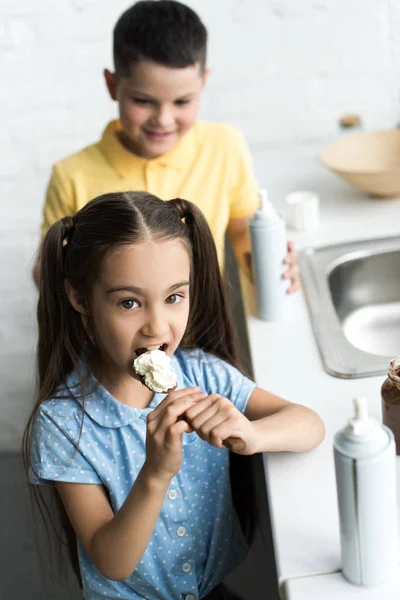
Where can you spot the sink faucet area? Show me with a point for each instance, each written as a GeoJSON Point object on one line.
{"type": "Point", "coordinates": [353, 296]}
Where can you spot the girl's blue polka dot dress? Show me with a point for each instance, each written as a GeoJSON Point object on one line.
{"type": "Point", "coordinates": [197, 539]}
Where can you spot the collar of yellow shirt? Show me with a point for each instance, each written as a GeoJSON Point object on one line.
{"type": "Point", "coordinates": [125, 162]}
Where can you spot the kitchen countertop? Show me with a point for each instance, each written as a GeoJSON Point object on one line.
{"type": "Point", "coordinates": [334, 586]}
{"type": "Point", "coordinates": [286, 361]}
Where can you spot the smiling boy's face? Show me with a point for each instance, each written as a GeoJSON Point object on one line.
{"type": "Point", "coordinates": [157, 105]}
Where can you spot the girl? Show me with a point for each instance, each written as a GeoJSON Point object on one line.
{"type": "Point", "coordinates": [144, 477]}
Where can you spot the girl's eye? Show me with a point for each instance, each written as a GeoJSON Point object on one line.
{"type": "Point", "coordinates": [174, 299]}
{"type": "Point", "coordinates": [181, 102]}
{"type": "Point", "coordinates": [128, 304]}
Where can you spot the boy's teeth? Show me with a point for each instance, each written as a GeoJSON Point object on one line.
{"type": "Point", "coordinates": [153, 347]}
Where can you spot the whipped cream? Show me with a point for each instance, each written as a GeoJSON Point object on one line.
{"type": "Point", "coordinates": [154, 366]}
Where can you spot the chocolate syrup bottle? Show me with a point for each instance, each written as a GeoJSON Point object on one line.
{"type": "Point", "coordinates": [390, 394]}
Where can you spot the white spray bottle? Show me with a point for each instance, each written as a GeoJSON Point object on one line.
{"type": "Point", "coordinates": [269, 249]}
{"type": "Point", "coordinates": [365, 464]}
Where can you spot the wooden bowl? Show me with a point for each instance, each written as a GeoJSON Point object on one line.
{"type": "Point", "coordinates": [370, 161]}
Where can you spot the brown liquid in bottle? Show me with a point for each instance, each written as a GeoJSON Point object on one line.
{"type": "Point", "coordinates": [390, 393]}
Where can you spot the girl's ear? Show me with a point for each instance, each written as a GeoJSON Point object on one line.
{"type": "Point", "coordinates": [74, 299]}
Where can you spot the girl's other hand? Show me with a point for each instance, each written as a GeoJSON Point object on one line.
{"type": "Point", "coordinates": [165, 429]}
{"type": "Point", "coordinates": [217, 421]}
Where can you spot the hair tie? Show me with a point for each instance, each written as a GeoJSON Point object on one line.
{"type": "Point", "coordinates": [181, 206]}
{"type": "Point", "coordinates": [69, 226]}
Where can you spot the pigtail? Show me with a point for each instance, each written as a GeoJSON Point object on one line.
{"type": "Point", "coordinates": [61, 333]}
{"type": "Point", "coordinates": [210, 325]}
{"type": "Point", "coordinates": [60, 341]}
{"type": "Point", "coordinates": [210, 328]}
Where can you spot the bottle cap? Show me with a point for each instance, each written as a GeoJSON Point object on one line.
{"type": "Point", "coordinates": [349, 120]}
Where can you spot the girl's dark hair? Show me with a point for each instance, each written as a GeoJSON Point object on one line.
{"type": "Point", "coordinates": [166, 32]}
{"type": "Point", "coordinates": [74, 250]}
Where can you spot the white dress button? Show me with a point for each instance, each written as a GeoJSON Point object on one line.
{"type": "Point", "coordinates": [189, 597]}
{"type": "Point", "coordinates": [186, 567]}
{"type": "Point", "coordinates": [181, 531]}
{"type": "Point", "coordinates": [172, 494]}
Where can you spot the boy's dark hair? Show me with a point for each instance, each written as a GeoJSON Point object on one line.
{"type": "Point", "coordinates": [74, 250]}
{"type": "Point", "coordinates": [165, 31]}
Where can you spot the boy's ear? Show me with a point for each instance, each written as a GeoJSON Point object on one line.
{"type": "Point", "coordinates": [206, 75]}
{"type": "Point", "coordinates": [111, 83]}
{"type": "Point", "coordinates": [74, 299]}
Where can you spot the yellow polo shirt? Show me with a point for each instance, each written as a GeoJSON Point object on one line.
{"type": "Point", "coordinates": [211, 166]}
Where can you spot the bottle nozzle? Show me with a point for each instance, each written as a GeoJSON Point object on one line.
{"type": "Point", "coordinates": [266, 207]}
{"type": "Point", "coordinates": [361, 423]}
{"type": "Point", "coordinates": [360, 409]}
{"type": "Point", "coordinates": [263, 200]}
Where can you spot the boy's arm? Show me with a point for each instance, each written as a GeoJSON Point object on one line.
{"type": "Point", "coordinates": [244, 199]}
{"type": "Point", "coordinates": [239, 235]}
{"type": "Point", "coordinates": [59, 203]}
{"type": "Point", "coordinates": [243, 203]}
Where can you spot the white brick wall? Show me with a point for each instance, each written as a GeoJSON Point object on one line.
{"type": "Point", "coordinates": [283, 71]}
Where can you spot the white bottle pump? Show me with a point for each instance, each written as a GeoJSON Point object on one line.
{"type": "Point", "coordinates": [365, 465]}
{"type": "Point", "coordinates": [267, 209]}
{"type": "Point", "coordinates": [269, 249]}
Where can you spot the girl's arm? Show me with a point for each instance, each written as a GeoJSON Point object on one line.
{"type": "Point", "coordinates": [280, 425]}
{"type": "Point", "coordinates": [114, 543]}
{"type": "Point", "coordinates": [269, 424]}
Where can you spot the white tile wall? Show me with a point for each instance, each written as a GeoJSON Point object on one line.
{"type": "Point", "coordinates": [283, 71]}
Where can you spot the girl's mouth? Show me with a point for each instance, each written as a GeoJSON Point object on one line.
{"type": "Point", "coordinates": [140, 351]}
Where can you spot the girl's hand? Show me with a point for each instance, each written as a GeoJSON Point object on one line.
{"type": "Point", "coordinates": [165, 429]}
{"type": "Point", "coordinates": [217, 421]}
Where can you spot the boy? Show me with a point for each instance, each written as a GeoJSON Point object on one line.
{"type": "Point", "coordinates": [157, 144]}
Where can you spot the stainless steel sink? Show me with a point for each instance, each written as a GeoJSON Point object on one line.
{"type": "Point", "coordinates": [353, 296]}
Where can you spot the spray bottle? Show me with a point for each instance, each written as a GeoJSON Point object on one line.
{"type": "Point", "coordinates": [365, 464]}
{"type": "Point", "coordinates": [269, 249]}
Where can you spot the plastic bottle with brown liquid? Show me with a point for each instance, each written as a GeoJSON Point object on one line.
{"type": "Point", "coordinates": [390, 393]}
